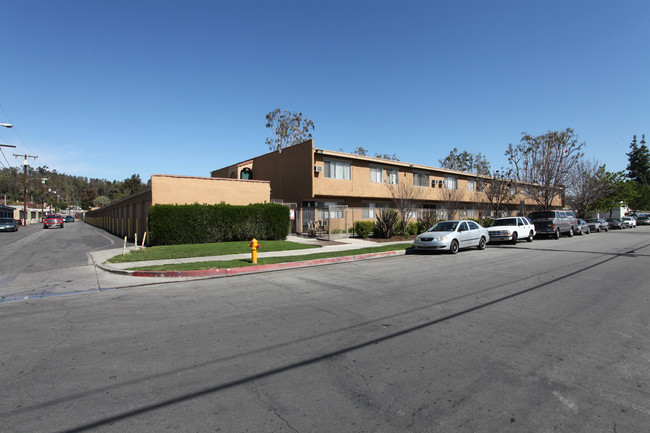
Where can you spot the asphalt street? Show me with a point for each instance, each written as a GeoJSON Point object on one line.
{"type": "Point", "coordinates": [550, 336]}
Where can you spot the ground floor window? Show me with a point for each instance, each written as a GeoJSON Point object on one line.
{"type": "Point", "coordinates": [369, 210]}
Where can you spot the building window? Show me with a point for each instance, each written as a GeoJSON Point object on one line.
{"type": "Point", "coordinates": [391, 176]}
{"type": "Point", "coordinates": [376, 175]}
{"type": "Point", "coordinates": [368, 210]}
{"type": "Point", "coordinates": [337, 170]}
{"type": "Point", "coordinates": [325, 213]}
{"type": "Point", "coordinates": [471, 185]}
{"type": "Point", "coordinates": [420, 179]}
{"type": "Point", "coordinates": [246, 173]}
{"type": "Point", "coordinates": [451, 182]}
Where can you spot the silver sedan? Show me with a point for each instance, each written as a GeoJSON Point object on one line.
{"type": "Point", "coordinates": [453, 235]}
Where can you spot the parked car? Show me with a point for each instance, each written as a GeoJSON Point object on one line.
{"type": "Point", "coordinates": [583, 227]}
{"type": "Point", "coordinates": [53, 220]}
{"type": "Point", "coordinates": [8, 225]}
{"type": "Point", "coordinates": [616, 223]}
{"type": "Point", "coordinates": [511, 229]}
{"type": "Point", "coordinates": [598, 224]}
{"type": "Point", "coordinates": [643, 220]}
{"type": "Point", "coordinates": [552, 223]}
{"type": "Point", "coordinates": [572, 219]}
{"type": "Point", "coordinates": [69, 219]}
{"type": "Point", "coordinates": [453, 235]}
{"type": "Point", "coordinates": [630, 222]}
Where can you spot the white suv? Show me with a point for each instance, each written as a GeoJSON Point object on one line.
{"type": "Point", "coordinates": [511, 229]}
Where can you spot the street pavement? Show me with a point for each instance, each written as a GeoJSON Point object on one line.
{"type": "Point", "coordinates": [95, 275]}
{"type": "Point", "coordinates": [548, 336]}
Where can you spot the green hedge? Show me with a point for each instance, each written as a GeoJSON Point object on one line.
{"type": "Point", "coordinates": [196, 224]}
{"type": "Point", "coordinates": [364, 228]}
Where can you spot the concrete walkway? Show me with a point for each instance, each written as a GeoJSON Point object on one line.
{"type": "Point", "coordinates": [342, 244]}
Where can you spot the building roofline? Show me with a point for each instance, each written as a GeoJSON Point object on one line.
{"type": "Point", "coordinates": [383, 161]}
{"type": "Point", "coordinates": [209, 178]}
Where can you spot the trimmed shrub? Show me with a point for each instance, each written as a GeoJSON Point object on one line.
{"type": "Point", "coordinates": [364, 228]}
{"type": "Point", "coordinates": [412, 229]}
{"type": "Point", "coordinates": [196, 224]}
{"type": "Point", "coordinates": [485, 222]}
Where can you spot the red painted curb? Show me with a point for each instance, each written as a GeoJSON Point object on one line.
{"type": "Point", "coordinates": [259, 268]}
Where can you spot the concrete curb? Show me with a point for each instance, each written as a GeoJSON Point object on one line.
{"type": "Point", "coordinates": [249, 269]}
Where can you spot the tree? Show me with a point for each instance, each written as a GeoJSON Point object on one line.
{"type": "Point", "coordinates": [453, 201]}
{"type": "Point", "coordinates": [132, 185]}
{"type": "Point", "coordinates": [88, 196]}
{"type": "Point", "coordinates": [542, 164]}
{"type": "Point", "coordinates": [586, 186]}
{"type": "Point", "coordinates": [407, 199]}
{"type": "Point", "coordinates": [614, 190]}
{"type": "Point", "coordinates": [639, 162]}
{"type": "Point", "coordinates": [102, 201]}
{"type": "Point", "coordinates": [466, 162]}
{"type": "Point", "coordinates": [288, 129]}
{"type": "Point", "coordinates": [392, 157]}
{"type": "Point", "coordinates": [497, 188]}
{"type": "Point", "coordinates": [360, 151]}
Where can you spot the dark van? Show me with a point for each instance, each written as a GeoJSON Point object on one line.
{"type": "Point", "coordinates": [553, 222]}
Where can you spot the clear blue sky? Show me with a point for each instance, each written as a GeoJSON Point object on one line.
{"type": "Point", "coordinates": [106, 89]}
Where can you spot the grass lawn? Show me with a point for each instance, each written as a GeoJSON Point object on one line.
{"type": "Point", "coordinates": [270, 260]}
{"type": "Point", "coordinates": [203, 250]}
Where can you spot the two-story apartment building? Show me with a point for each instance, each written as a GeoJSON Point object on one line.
{"type": "Point", "coordinates": [312, 180]}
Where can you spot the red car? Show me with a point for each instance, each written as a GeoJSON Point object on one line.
{"type": "Point", "coordinates": [53, 221]}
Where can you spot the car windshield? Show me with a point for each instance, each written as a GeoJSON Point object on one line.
{"type": "Point", "coordinates": [445, 226]}
{"type": "Point", "coordinates": [540, 215]}
{"type": "Point", "coordinates": [505, 222]}
{"type": "Point", "coordinates": [593, 221]}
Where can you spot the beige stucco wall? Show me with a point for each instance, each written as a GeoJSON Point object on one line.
{"type": "Point", "coordinates": [128, 217]}
{"type": "Point", "coordinates": [293, 177]}
{"type": "Point", "coordinates": [290, 172]}
{"type": "Point", "coordinates": [169, 189]}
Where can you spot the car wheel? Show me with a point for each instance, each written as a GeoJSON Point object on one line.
{"type": "Point", "coordinates": [557, 234]}
{"type": "Point", "coordinates": [514, 238]}
{"type": "Point", "coordinates": [530, 237]}
{"type": "Point", "coordinates": [598, 230]}
{"type": "Point", "coordinates": [481, 243]}
{"type": "Point", "coordinates": [571, 232]}
{"type": "Point", "coordinates": [588, 231]}
{"type": "Point", "coordinates": [607, 229]}
{"type": "Point", "coordinates": [453, 248]}
{"type": "Point", "coordinates": [581, 232]}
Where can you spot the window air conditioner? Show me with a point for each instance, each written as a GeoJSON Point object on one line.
{"type": "Point", "coordinates": [318, 168]}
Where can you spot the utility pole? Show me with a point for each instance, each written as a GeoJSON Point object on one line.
{"type": "Point", "coordinates": [43, 179]}
{"type": "Point", "coordinates": [25, 197]}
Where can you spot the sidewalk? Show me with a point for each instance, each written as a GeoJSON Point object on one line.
{"type": "Point", "coordinates": [343, 244]}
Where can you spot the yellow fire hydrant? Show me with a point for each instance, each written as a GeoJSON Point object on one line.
{"type": "Point", "coordinates": [254, 247]}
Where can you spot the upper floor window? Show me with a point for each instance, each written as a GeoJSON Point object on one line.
{"type": "Point", "coordinates": [376, 175]}
{"type": "Point", "coordinates": [471, 185]}
{"type": "Point", "coordinates": [451, 182]}
{"type": "Point", "coordinates": [391, 176]}
{"type": "Point", "coordinates": [337, 170]}
{"type": "Point", "coordinates": [420, 179]}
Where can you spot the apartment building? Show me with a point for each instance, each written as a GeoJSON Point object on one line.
{"type": "Point", "coordinates": [335, 189]}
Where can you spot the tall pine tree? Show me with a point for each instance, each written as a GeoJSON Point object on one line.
{"type": "Point", "coordinates": [639, 162]}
